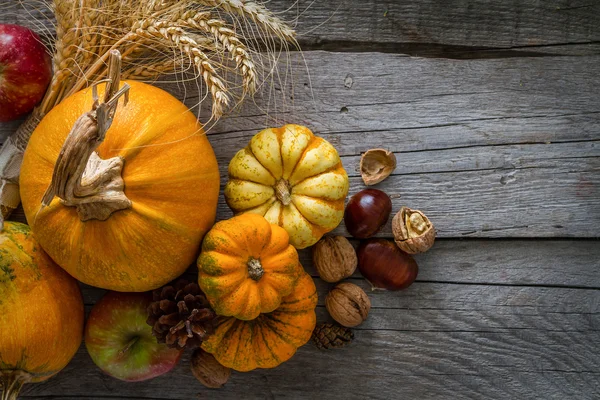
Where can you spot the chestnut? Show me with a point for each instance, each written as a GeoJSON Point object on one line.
{"type": "Point", "coordinates": [385, 266]}
{"type": "Point", "coordinates": [367, 212]}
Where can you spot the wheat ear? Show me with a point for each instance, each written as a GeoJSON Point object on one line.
{"type": "Point", "coordinates": [178, 37]}
{"type": "Point", "coordinates": [228, 39]}
{"type": "Point", "coordinates": [261, 16]}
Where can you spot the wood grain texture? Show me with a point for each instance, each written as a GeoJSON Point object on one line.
{"type": "Point", "coordinates": [482, 145]}
{"type": "Point", "coordinates": [470, 340]}
{"type": "Point", "coordinates": [496, 128]}
{"type": "Point", "coordinates": [428, 28]}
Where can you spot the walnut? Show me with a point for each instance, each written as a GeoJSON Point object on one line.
{"type": "Point", "coordinates": [413, 231]}
{"type": "Point", "coordinates": [208, 370]}
{"type": "Point", "coordinates": [348, 304]}
{"type": "Point", "coordinates": [376, 165]}
{"type": "Point", "coordinates": [335, 258]}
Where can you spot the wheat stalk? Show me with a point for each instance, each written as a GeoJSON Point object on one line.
{"type": "Point", "coordinates": [227, 38]}
{"type": "Point", "coordinates": [218, 39]}
{"type": "Point", "coordinates": [178, 37]}
{"type": "Point", "coordinates": [261, 15]}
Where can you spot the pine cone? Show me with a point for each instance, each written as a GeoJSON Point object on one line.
{"type": "Point", "coordinates": [327, 336]}
{"type": "Point", "coordinates": [180, 315]}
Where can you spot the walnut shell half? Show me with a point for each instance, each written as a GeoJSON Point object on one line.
{"type": "Point", "coordinates": [376, 165]}
{"type": "Point", "coordinates": [413, 231]}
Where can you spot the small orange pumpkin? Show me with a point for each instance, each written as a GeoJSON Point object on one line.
{"type": "Point", "coordinates": [270, 339]}
{"type": "Point", "coordinates": [247, 266]}
{"type": "Point", "coordinates": [41, 312]}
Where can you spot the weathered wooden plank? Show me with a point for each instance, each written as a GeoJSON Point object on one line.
{"type": "Point", "coordinates": [466, 134]}
{"type": "Point", "coordinates": [480, 341]}
{"type": "Point", "coordinates": [457, 28]}
{"type": "Point", "coordinates": [488, 148]}
{"type": "Point", "coordinates": [573, 264]}
{"type": "Point", "coordinates": [381, 365]}
{"type": "Point", "coordinates": [503, 340]}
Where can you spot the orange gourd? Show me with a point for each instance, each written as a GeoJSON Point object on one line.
{"type": "Point", "coordinates": [247, 266]}
{"type": "Point", "coordinates": [270, 339]}
{"type": "Point", "coordinates": [137, 216]}
{"type": "Point", "coordinates": [41, 312]}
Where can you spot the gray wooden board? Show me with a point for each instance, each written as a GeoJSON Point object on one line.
{"type": "Point", "coordinates": [430, 28]}
{"type": "Point", "coordinates": [496, 133]}
{"type": "Point", "coordinates": [482, 145]}
{"type": "Point", "coordinates": [445, 335]}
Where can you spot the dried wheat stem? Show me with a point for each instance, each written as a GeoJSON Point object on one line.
{"type": "Point", "coordinates": [257, 13]}
{"type": "Point", "coordinates": [161, 29]}
{"type": "Point", "coordinates": [151, 71]}
{"type": "Point", "coordinates": [228, 38]}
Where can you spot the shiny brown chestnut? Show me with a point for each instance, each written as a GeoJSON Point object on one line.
{"type": "Point", "coordinates": [367, 212]}
{"type": "Point", "coordinates": [385, 266]}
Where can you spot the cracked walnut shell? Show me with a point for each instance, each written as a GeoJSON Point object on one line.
{"type": "Point", "coordinates": [348, 304]}
{"type": "Point", "coordinates": [376, 165]}
{"type": "Point", "coordinates": [413, 231]}
{"type": "Point", "coordinates": [334, 258]}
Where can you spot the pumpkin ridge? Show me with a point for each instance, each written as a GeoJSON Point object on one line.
{"type": "Point", "coordinates": [124, 254]}
{"type": "Point", "coordinates": [272, 321]}
{"type": "Point", "coordinates": [266, 231]}
{"type": "Point", "coordinates": [267, 344]}
{"type": "Point", "coordinates": [275, 330]}
{"type": "Point", "coordinates": [238, 331]}
{"type": "Point", "coordinates": [251, 291]}
{"type": "Point", "coordinates": [328, 170]}
{"type": "Point", "coordinates": [249, 148]}
{"type": "Point", "coordinates": [313, 137]}
{"type": "Point", "coordinates": [153, 216]}
{"type": "Point", "coordinates": [273, 201]}
{"type": "Point", "coordinates": [218, 236]}
{"type": "Point", "coordinates": [316, 229]}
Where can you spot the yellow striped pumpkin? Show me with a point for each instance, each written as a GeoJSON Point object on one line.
{"type": "Point", "coordinates": [292, 177]}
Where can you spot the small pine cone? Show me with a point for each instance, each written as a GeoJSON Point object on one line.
{"type": "Point", "coordinates": [180, 315]}
{"type": "Point", "coordinates": [327, 336]}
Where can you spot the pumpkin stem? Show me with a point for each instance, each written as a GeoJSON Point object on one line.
{"type": "Point", "coordinates": [81, 178]}
{"type": "Point", "coordinates": [12, 382]}
{"type": "Point", "coordinates": [255, 269]}
{"type": "Point", "coordinates": [282, 191]}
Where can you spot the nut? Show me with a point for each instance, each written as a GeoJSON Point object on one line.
{"type": "Point", "coordinates": [348, 304]}
{"type": "Point", "coordinates": [335, 258]}
{"type": "Point", "coordinates": [208, 370]}
{"type": "Point", "coordinates": [413, 231]}
{"type": "Point", "coordinates": [376, 165]}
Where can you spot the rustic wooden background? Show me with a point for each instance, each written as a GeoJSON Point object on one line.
{"type": "Point", "coordinates": [493, 111]}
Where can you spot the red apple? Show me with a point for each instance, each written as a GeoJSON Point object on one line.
{"type": "Point", "coordinates": [120, 341]}
{"type": "Point", "coordinates": [25, 71]}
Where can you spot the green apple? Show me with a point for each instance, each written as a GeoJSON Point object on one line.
{"type": "Point", "coordinates": [120, 341]}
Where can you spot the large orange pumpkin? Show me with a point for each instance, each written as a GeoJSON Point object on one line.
{"type": "Point", "coordinates": [270, 339]}
{"type": "Point", "coordinates": [41, 311]}
{"type": "Point", "coordinates": [247, 266]}
{"type": "Point", "coordinates": [152, 228]}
